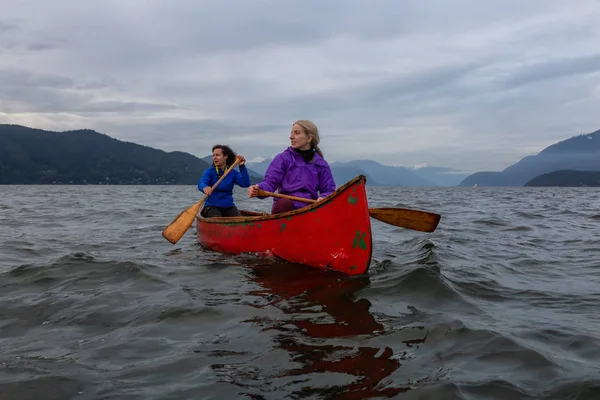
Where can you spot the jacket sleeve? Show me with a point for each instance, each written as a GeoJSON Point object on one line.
{"type": "Point", "coordinates": [274, 174]}
{"type": "Point", "coordinates": [205, 179]}
{"type": "Point", "coordinates": [242, 178]}
{"type": "Point", "coordinates": [326, 181]}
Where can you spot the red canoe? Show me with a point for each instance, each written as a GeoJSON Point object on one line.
{"type": "Point", "coordinates": [332, 234]}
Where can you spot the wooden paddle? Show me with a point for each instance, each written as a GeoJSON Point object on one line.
{"type": "Point", "coordinates": [183, 221]}
{"type": "Point", "coordinates": [401, 217]}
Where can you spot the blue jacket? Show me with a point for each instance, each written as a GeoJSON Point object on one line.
{"type": "Point", "coordinates": [222, 195]}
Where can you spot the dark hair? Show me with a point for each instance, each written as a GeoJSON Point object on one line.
{"type": "Point", "coordinates": [226, 152]}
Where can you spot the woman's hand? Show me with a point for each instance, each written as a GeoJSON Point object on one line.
{"type": "Point", "coordinates": [242, 160]}
{"type": "Point", "coordinates": [253, 191]}
{"type": "Point", "coordinates": [207, 190]}
{"type": "Point", "coordinates": [320, 198]}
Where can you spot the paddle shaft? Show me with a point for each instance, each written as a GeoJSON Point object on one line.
{"type": "Point", "coordinates": [264, 193]}
{"type": "Point", "coordinates": [401, 217]}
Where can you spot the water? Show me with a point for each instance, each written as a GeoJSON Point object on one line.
{"type": "Point", "coordinates": [501, 302]}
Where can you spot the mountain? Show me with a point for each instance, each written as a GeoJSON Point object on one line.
{"type": "Point", "coordinates": [260, 167]}
{"type": "Point", "coordinates": [441, 176]}
{"type": "Point", "coordinates": [377, 174]}
{"type": "Point", "coordinates": [567, 178]}
{"type": "Point", "coordinates": [578, 153]}
{"type": "Point", "coordinates": [342, 174]}
{"type": "Point", "coordinates": [384, 175]}
{"type": "Point", "coordinates": [35, 156]}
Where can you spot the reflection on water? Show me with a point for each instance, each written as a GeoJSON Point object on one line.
{"type": "Point", "coordinates": [320, 311]}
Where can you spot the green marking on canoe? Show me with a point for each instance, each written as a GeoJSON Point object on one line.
{"type": "Point", "coordinates": [352, 199]}
{"type": "Point", "coordinates": [359, 241]}
{"type": "Point", "coordinates": [289, 218]}
{"type": "Point", "coordinates": [282, 227]}
{"type": "Point", "coordinates": [353, 267]}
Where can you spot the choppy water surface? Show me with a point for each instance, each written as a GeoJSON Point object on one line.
{"type": "Point", "coordinates": [501, 302]}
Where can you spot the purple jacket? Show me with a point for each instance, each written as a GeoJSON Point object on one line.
{"type": "Point", "coordinates": [289, 174]}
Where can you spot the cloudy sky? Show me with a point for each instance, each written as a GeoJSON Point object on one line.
{"type": "Point", "coordinates": [474, 85]}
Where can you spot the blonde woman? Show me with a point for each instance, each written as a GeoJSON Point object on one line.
{"type": "Point", "coordinates": [300, 170]}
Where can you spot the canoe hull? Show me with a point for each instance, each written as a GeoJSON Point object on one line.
{"type": "Point", "coordinates": [333, 234]}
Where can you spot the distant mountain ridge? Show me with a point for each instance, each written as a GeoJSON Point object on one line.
{"type": "Point", "coordinates": [384, 175]}
{"type": "Point", "coordinates": [578, 153]}
{"type": "Point", "coordinates": [36, 156]}
{"type": "Point", "coordinates": [442, 176]}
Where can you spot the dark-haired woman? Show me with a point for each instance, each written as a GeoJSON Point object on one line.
{"type": "Point", "coordinates": [219, 202]}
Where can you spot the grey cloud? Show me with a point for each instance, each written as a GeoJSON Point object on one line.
{"type": "Point", "coordinates": [24, 91]}
{"type": "Point", "coordinates": [21, 78]}
{"type": "Point", "coordinates": [442, 90]}
{"type": "Point", "coordinates": [41, 46]}
{"type": "Point", "coordinates": [196, 129]}
{"type": "Point", "coordinates": [425, 87]}
{"type": "Point", "coordinates": [197, 136]}
{"type": "Point", "coordinates": [22, 36]}
{"type": "Point", "coordinates": [6, 26]}
{"type": "Point", "coordinates": [558, 68]}
{"type": "Point", "coordinates": [7, 45]}
{"type": "Point", "coordinates": [433, 89]}
{"type": "Point", "coordinates": [43, 100]}
{"type": "Point", "coordinates": [193, 29]}
{"type": "Point", "coordinates": [98, 83]}
{"type": "Point", "coordinates": [120, 107]}
{"type": "Point", "coordinates": [214, 27]}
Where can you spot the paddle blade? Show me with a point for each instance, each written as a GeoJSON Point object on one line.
{"type": "Point", "coordinates": [405, 218]}
{"type": "Point", "coordinates": [181, 223]}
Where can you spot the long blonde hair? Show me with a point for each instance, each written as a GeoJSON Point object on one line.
{"type": "Point", "coordinates": [312, 132]}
